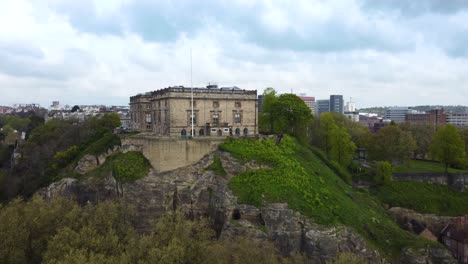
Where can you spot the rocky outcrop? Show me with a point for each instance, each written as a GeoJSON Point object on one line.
{"type": "Point", "coordinates": [200, 192]}
{"type": "Point", "coordinates": [433, 255]}
{"type": "Point", "coordinates": [293, 233]}
{"type": "Point", "coordinates": [89, 162]}
{"type": "Point", "coordinates": [408, 218]}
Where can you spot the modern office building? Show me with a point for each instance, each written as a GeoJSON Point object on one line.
{"type": "Point", "coordinates": [310, 102]}
{"type": "Point", "coordinates": [322, 106]}
{"type": "Point", "coordinates": [397, 114]}
{"type": "Point", "coordinates": [436, 117]}
{"type": "Point", "coordinates": [337, 104]}
{"type": "Point", "coordinates": [458, 119]}
{"type": "Point", "coordinates": [260, 103]}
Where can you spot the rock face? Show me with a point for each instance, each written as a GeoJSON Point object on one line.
{"type": "Point", "coordinates": [406, 217]}
{"type": "Point", "coordinates": [89, 162]}
{"type": "Point", "coordinates": [200, 192]}
{"type": "Point", "coordinates": [427, 256]}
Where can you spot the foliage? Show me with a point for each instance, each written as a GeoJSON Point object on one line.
{"type": "Point", "coordinates": [60, 231]}
{"type": "Point", "coordinates": [426, 166]}
{"type": "Point", "coordinates": [75, 108]}
{"type": "Point", "coordinates": [383, 173]}
{"type": "Point", "coordinates": [217, 166]}
{"type": "Point", "coordinates": [130, 166]}
{"type": "Point", "coordinates": [464, 136]}
{"type": "Point", "coordinates": [424, 197]}
{"type": "Point", "coordinates": [423, 134]}
{"type": "Point", "coordinates": [38, 165]}
{"type": "Point", "coordinates": [124, 167]}
{"type": "Point", "coordinates": [106, 142]}
{"type": "Point", "coordinates": [392, 144]}
{"type": "Point", "coordinates": [299, 178]}
{"type": "Point", "coordinates": [327, 126]}
{"type": "Point", "coordinates": [16, 122]}
{"type": "Point", "coordinates": [268, 116]}
{"type": "Point", "coordinates": [62, 158]}
{"type": "Point", "coordinates": [448, 147]}
{"type": "Point", "coordinates": [334, 166]}
{"type": "Point", "coordinates": [286, 113]}
{"type": "Point", "coordinates": [342, 148]}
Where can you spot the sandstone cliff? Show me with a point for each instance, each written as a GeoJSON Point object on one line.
{"type": "Point", "coordinates": [199, 192]}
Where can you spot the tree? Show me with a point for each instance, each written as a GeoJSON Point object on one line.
{"type": "Point", "coordinates": [383, 173]}
{"type": "Point", "coordinates": [327, 125]}
{"type": "Point", "coordinates": [423, 134]}
{"type": "Point", "coordinates": [448, 147]}
{"type": "Point", "coordinates": [292, 114]}
{"type": "Point", "coordinates": [464, 136]}
{"type": "Point", "coordinates": [393, 145]}
{"type": "Point", "coordinates": [268, 116]}
{"type": "Point", "coordinates": [342, 149]}
{"type": "Point", "coordinates": [75, 108]}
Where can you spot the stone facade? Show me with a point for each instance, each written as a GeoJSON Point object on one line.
{"type": "Point", "coordinates": [217, 111]}
{"type": "Point", "coordinates": [457, 181]}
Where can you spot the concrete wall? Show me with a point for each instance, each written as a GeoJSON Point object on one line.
{"type": "Point", "coordinates": [165, 153]}
{"type": "Point", "coordinates": [457, 181]}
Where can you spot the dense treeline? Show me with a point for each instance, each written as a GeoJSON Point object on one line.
{"type": "Point", "coordinates": [338, 137]}
{"type": "Point", "coordinates": [48, 148]}
{"type": "Point", "coordinates": [60, 231]}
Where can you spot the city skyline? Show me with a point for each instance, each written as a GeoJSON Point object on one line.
{"type": "Point", "coordinates": [102, 52]}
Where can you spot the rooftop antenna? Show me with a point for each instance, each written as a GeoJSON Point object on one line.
{"type": "Point", "coordinates": [191, 90]}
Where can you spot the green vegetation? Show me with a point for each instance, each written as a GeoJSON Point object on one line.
{"type": "Point", "coordinates": [448, 147]}
{"type": "Point", "coordinates": [217, 167]}
{"type": "Point", "coordinates": [51, 150]}
{"type": "Point", "coordinates": [392, 144]}
{"type": "Point", "coordinates": [124, 167]}
{"type": "Point", "coordinates": [286, 113]}
{"type": "Point", "coordinates": [61, 231]}
{"type": "Point", "coordinates": [426, 166]}
{"type": "Point", "coordinates": [383, 173]}
{"type": "Point", "coordinates": [299, 178]}
{"type": "Point", "coordinates": [424, 197]}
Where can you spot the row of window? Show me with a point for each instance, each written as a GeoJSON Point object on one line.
{"type": "Point", "coordinates": [215, 104]}
{"type": "Point", "coordinates": [237, 118]}
{"type": "Point", "coordinates": [215, 131]}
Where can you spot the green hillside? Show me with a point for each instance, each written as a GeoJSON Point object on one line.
{"type": "Point", "coordinates": [424, 197]}
{"type": "Point", "coordinates": [299, 178]}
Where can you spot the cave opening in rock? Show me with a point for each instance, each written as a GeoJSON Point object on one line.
{"type": "Point", "coordinates": [236, 214]}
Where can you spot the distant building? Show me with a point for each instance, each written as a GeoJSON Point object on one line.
{"type": "Point", "coordinates": [350, 106]}
{"type": "Point", "coordinates": [310, 102]}
{"type": "Point", "coordinates": [397, 114]}
{"type": "Point", "coordinates": [352, 116]}
{"type": "Point", "coordinates": [216, 111]}
{"type": "Point", "coordinates": [322, 106]}
{"type": "Point", "coordinates": [337, 104]}
{"type": "Point", "coordinates": [458, 119]}
{"type": "Point", "coordinates": [436, 117]}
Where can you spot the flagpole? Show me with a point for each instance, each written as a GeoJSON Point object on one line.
{"type": "Point", "coordinates": [191, 86]}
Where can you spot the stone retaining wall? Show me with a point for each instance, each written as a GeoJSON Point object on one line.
{"type": "Point", "coordinates": [458, 181]}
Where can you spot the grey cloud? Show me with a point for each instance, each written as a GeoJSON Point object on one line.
{"type": "Point", "coordinates": [75, 63]}
{"type": "Point", "coordinates": [417, 7]}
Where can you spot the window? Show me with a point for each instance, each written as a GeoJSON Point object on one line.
{"type": "Point", "coordinates": [237, 132]}
{"type": "Point", "coordinates": [215, 119]}
{"type": "Point", "coordinates": [201, 132]}
{"type": "Point", "coordinates": [194, 103]}
{"type": "Point", "coordinates": [246, 131]}
{"type": "Point", "coordinates": [148, 106]}
{"type": "Point", "coordinates": [215, 104]}
{"type": "Point", "coordinates": [237, 104]}
{"type": "Point", "coordinates": [183, 132]}
{"type": "Point", "coordinates": [189, 118]}
{"type": "Point", "coordinates": [237, 118]}
{"type": "Point", "coordinates": [148, 118]}
{"type": "Point", "coordinates": [226, 130]}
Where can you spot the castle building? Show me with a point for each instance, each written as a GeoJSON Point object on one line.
{"type": "Point", "coordinates": [216, 111]}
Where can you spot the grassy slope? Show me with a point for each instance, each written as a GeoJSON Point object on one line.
{"type": "Point", "coordinates": [426, 166]}
{"type": "Point", "coordinates": [299, 178]}
{"type": "Point", "coordinates": [424, 197]}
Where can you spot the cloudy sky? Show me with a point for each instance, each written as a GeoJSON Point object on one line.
{"type": "Point", "coordinates": [379, 52]}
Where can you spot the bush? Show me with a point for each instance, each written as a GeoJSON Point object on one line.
{"type": "Point", "coordinates": [103, 144]}
{"type": "Point", "coordinates": [130, 166]}
{"type": "Point", "coordinates": [383, 173]}
{"type": "Point", "coordinates": [217, 167]}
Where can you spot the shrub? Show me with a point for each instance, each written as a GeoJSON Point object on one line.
{"type": "Point", "coordinates": [335, 166]}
